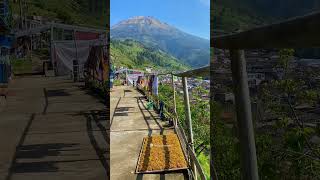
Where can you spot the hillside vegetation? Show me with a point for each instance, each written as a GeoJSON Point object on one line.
{"type": "Point", "coordinates": [230, 15]}
{"type": "Point", "coordinates": [229, 18]}
{"type": "Point", "coordinates": [132, 54]}
{"type": "Point", "coordinates": [81, 12]}
{"type": "Point", "coordinates": [187, 48]}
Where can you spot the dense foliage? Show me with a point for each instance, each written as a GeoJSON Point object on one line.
{"type": "Point", "coordinates": [81, 12]}
{"type": "Point", "coordinates": [132, 54]}
{"type": "Point", "coordinates": [200, 114]}
{"type": "Point", "coordinates": [283, 145]}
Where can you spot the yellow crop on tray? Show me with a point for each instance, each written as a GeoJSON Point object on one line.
{"type": "Point", "coordinates": [161, 152]}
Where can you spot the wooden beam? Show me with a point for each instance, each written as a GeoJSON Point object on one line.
{"type": "Point", "coordinates": [300, 32]}
{"type": "Point", "coordinates": [199, 72]}
{"type": "Point", "coordinates": [244, 116]}
{"type": "Point", "coordinates": [47, 26]}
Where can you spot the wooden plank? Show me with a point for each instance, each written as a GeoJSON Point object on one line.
{"type": "Point", "coordinates": [300, 32]}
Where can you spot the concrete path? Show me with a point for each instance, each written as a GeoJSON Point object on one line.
{"type": "Point", "coordinates": [130, 122]}
{"type": "Point", "coordinates": [52, 129]}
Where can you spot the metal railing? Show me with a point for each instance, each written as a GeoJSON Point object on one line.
{"type": "Point", "coordinates": [171, 115]}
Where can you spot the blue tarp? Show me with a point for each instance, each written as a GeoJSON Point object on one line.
{"type": "Point", "coordinates": [6, 41]}
{"type": "Point", "coordinates": [4, 73]}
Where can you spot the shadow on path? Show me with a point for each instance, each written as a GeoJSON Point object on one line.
{"type": "Point", "coordinates": [100, 151]}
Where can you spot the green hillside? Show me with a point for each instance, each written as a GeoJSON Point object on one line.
{"type": "Point", "coordinates": [230, 16]}
{"type": "Point", "coordinates": [81, 12]}
{"type": "Point", "coordinates": [132, 54]}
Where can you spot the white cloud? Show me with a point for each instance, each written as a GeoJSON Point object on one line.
{"type": "Point", "coordinates": [205, 2]}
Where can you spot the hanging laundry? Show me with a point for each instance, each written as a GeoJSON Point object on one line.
{"type": "Point", "coordinates": [155, 86]}
{"type": "Point", "coordinates": [150, 83]}
{"type": "Point", "coordinates": [161, 110]}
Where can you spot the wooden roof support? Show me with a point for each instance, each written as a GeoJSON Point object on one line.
{"type": "Point", "coordinates": [300, 32]}
{"type": "Point", "coordinates": [200, 72]}
{"type": "Point", "coordinates": [47, 26]}
{"type": "Point", "coordinates": [244, 116]}
{"type": "Point", "coordinates": [189, 121]}
{"type": "Point", "coordinates": [174, 101]}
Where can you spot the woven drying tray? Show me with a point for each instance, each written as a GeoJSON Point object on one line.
{"type": "Point", "coordinates": [161, 153]}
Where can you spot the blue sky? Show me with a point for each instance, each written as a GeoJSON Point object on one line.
{"type": "Point", "coordinates": [191, 16]}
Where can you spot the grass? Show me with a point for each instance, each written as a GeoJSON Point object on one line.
{"type": "Point", "coordinates": [117, 82]}
{"type": "Point", "coordinates": [204, 161]}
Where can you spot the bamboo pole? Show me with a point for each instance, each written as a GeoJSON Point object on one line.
{"type": "Point", "coordinates": [174, 102]}
{"type": "Point", "coordinates": [244, 116]}
{"type": "Point", "coordinates": [189, 121]}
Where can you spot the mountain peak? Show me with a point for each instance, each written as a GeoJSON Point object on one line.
{"type": "Point", "coordinates": [153, 33]}
{"type": "Point", "coordinates": [144, 21]}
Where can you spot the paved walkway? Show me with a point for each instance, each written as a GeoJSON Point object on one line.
{"type": "Point", "coordinates": [52, 129]}
{"type": "Point", "coordinates": [130, 123]}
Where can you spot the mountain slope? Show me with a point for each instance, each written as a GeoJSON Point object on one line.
{"type": "Point", "coordinates": [133, 54]}
{"type": "Point", "coordinates": [80, 12]}
{"type": "Point", "coordinates": [282, 9]}
{"type": "Point", "coordinates": [189, 49]}
{"type": "Point", "coordinates": [231, 15]}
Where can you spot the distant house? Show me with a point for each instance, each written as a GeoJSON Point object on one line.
{"type": "Point", "coordinates": [224, 97]}
{"type": "Point", "coordinates": [149, 70]}
{"type": "Point", "coordinates": [309, 62]}
{"type": "Point", "coordinates": [254, 79]}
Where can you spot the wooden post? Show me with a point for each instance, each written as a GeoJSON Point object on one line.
{"type": "Point", "coordinates": [127, 76]}
{"type": "Point", "coordinates": [75, 44]}
{"type": "Point", "coordinates": [21, 18]}
{"type": "Point", "coordinates": [31, 46]}
{"type": "Point", "coordinates": [51, 49]}
{"type": "Point", "coordinates": [244, 116]}
{"type": "Point", "coordinates": [213, 118]}
{"type": "Point", "coordinates": [174, 102]}
{"type": "Point", "coordinates": [189, 120]}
